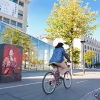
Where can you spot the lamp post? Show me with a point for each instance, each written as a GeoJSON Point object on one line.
{"type": "Point", "coordinates": [83, 56]}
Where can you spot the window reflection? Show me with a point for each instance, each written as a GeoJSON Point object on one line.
{"type": "Point", "coordinates": [2, 27]}
{"type": "Point", "coordinates": [46, 54]}
{"type": "Point", "coordinates": [35, 42]}
{"type": "Point", "coordinates": [42, 52]}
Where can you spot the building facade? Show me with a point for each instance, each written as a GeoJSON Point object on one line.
{"type": "Point", "coordinates": [14, 13]}
{"type": "Point", "coordinates": [89, 44]}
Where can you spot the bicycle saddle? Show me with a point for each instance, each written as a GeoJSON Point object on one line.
{"type": "Point", "coordinates": [53, 64]}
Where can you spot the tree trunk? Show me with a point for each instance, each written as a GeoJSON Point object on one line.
{"type": "Point", "coordinates": [29, 57]}
{"type": "Point", "coordinates": [25, 65]}
{"type": "Point", "coordinates": [71, 56]}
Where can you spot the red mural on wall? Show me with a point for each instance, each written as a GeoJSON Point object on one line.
{"type": "Point", "coordinates": [12, 59]}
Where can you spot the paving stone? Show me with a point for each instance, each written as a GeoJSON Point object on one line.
{"type": "Point", "coordinates": [7, 96]}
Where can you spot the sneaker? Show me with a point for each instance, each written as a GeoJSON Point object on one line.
{"type": "Point", "coordinates": [59, 82]}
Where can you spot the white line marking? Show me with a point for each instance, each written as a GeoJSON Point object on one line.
{"type": "Point", "coordinates": [19, 85]}
{"type": "Point", "coordinates": [89, 93]}
{"type": "Point", "coordinates": [82, 81]}
{"type": "Point", "coordinates": [33, 77]}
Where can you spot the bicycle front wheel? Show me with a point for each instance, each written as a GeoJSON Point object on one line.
{"type": "Point", "coordinates": [49, 83]}
{"type": "Point", "coordinates": [67, 79]}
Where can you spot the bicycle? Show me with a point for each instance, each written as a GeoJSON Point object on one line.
{"type": "Point", "coordinates": [52, 80]}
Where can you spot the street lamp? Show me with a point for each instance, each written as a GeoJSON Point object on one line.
{"type": "Point", "coordinates": [83, 57]}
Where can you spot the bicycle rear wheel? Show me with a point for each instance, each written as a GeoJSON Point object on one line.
{"type": "Point", "coordinates": [49, 83]}
{"type": "Point", "coordinates": [67, 79]}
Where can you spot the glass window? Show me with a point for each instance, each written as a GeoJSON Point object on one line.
{"type": "Point", "coordinates": [15, 1]}
{"type": "Point", "coordinates": [87, 40]}
{"type": "Point", "coordinates": [19, 25]}
{"type": "Point", "coordinates": [2, 27]}
{"type": "Point", "coordinates": [51, 51]}
{"type": "Point", "coordinates": [21, 3]}
{"type": "Point", "coordinates": [6, 20]}
{"type": "Point", "coordinates": [41, 50]}
{"type": "Point", "coordinates": [0, 18]}
{"type": "Point", "coordinates": [88, 47]}
{"type": "Point", "coordinates": [35, 42]}
{"type": "Point", "coordinates": [13, 23]}
{"type": "Point", "coordinates": [20, 14]}
{"type": "Point", "coordinates": [47, 53]}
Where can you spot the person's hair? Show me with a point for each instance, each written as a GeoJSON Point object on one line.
{"type": "Point", "coordinates": [60, 44]}
{"type": "Point", "coordinates": [11, 50]}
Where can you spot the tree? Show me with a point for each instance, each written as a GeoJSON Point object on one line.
{"type": "Point", "coordinates": [88, 55]}
{"type": "Point", "coordinates": [40, 62]}
{"type": "Point", "coordinates": [69, 20]}
{"type": "Point", "coordinates": [33, 61]}
{"type": "Point", "coordinates": [76, 55]}
{"type": "Point", "coordinates": [34, 54]}
{"type": "Point", "coordinates": [13, 36]}
{"type": "Point", "coordinates": [25, 58]}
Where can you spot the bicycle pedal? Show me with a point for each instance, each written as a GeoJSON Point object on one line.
{"type": "Point", "coordinates": [58, 83]}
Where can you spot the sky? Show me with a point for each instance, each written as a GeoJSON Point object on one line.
{"type": "Point", "coordinates": [39, 11]}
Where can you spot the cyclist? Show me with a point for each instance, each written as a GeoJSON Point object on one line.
{"type": "Point", "coordinates": [58, 58]}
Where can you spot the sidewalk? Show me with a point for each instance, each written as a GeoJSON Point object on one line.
{"type": "Point", "coordinates": [33, 73]}
{"type": "Point", "coordinates": [77, 72]}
